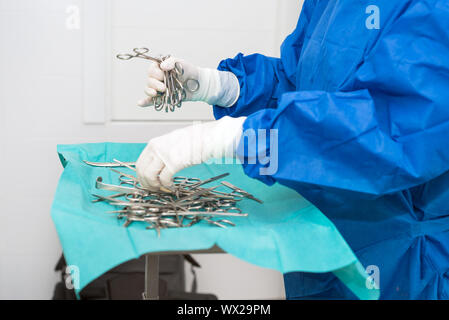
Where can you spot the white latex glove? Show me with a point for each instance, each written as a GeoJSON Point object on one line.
{"type": "Point", "coordinates": [166, 155]}
{"type": "Point", "coordinates": [220, 88]}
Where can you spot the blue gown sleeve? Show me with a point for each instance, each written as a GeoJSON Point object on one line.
{"type": "Point", "coordinates": [389, 133]}
{"type": "Point", "coordinates": [263, 79]}
{"type": "Point", "coordinates": [259, 78]}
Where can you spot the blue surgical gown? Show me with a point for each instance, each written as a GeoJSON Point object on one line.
{"type": "Point", "coordinates": [362, 113]}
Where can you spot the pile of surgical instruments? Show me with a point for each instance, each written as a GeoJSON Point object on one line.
{"type": "Point", "coordinates": [184, 204]}
{"type": "Point", "coordinates": [175, 88]}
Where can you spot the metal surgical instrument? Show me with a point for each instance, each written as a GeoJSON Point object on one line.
{"type": "Point", "coordinates": [110, 164]}
{"type": "Point", "coordinates": [175, 86]}
{"type": "Point", "coordinates": [187, 204]}
{"type": "Point", "coordinates": [243, 193]}
{"type": "Point", "coordinates": [139, 53]}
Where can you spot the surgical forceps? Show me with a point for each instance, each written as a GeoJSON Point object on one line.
{"type": "Point", "coordinates": [139, 53]}
{"type": "Point", "coordinates": [110, 164]}
{"type": "Point", "coordinates": [187, 204]}
{"type": "Point", "coordinates": [239, 191]}
{"type": "Point", "coordinates": [175, 88]}
{"type": "Point", "coordinates": [193, 183]}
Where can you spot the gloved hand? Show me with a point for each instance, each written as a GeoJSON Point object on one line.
{"type": "Point", "coordinates": [220, 88]}
{"type": "Point", "coordinates": [170, 153]}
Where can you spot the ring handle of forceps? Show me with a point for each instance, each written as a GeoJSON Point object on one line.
{"type": "Point", "coordinates": [180, 72]}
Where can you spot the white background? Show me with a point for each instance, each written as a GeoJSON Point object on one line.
{"type": "Point", "coordinates": [61, 85]}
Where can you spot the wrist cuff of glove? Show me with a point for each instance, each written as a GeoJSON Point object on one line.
{"type": "Point", "coordinates": [219, 88]}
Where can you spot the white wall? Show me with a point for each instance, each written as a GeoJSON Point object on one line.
{"type": "Point", "coordinates": [47, 97]}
